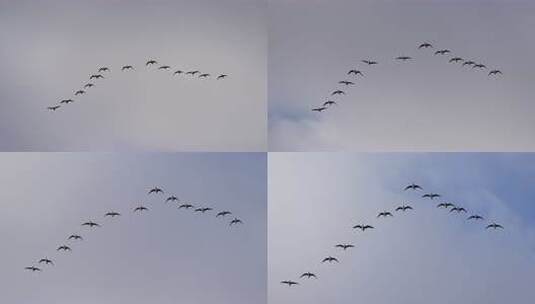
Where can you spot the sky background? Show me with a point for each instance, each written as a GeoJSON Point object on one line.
{"type": "Point", "coordinates": [163, 256]}
{"type": "Point", "coordinates": [50, 48]}
{"type": "Point", "coordinates": [424, 105]}
{"type": "Point", "coordinates": [417, 257]}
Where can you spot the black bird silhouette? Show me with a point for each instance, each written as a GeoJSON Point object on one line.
{"type": "Point", "coordinates": [192, 73]}
{"type": "Point", "coordinates": [431, 195]}
{"type": "Point", "coordinates": [79, 92]}
{"type": "Point", "coordinates": [384, 214]}
{"type": "Point", "coordinates": [178, 72]}
{"type": "Point", "coordinates": [425, 45]}
{"type": "Point", "coordinates": [456, 59]}
{"type": "Point", "coordinates": [172, 199]}
{"type": "Point", "coordinates": [127, 67]}
{"type": "Point", "coordinates": [75, 237]}
{"type": "Point", "coordinates": [308, 275]}
{"type": "Point", "coordinates": [495, 72]}
{"type": "Point", "coordinates": [363, 227]}
{"type": "Point", "coordinates": [205, 75]}
{"type": "Point", "coordinates": [338, 92]}
{"type": "Point", "coordinates": [404, 208]}
{"type": "Point", "coordinates": [223, 213]}
{"type": "Point", "coordinates": [475, 217]}
{"type": "Point", "coordinates": [469, 62]}
{"type": "Point", "coordinates": [141, 209]}
{"type": "Point", "coordinates": [155, 190]}
{"type": "Point", "coordinates": [47, 261]}
{"type": "Point", "coordinates": [164, 67]}
{"type": "Point", "coordinates": [330, 259]}
{"type": "Point", "coordinates": [479, 66]}
{"type": "Point", "coordinates": [89, 85]}
{"type": "Point", "coordinates": [356, 72]}
{"type": "Point", "coordinates": [187, 206]}
{"type": "Point", "coordinates": [289, 283]}
{"type": "Point", "coordinates": [329, 103]}
{"type": "Point", "coordinates": [319, 109]}
{"type": "Point", "coordinates": [91, 224]}
{"type": "Point", "coordinates": [369, 62]}
{"type": "Point", "coordinates": [222, 76]}
{"type": "Point", "coordinates": [344, 246]}
{"type": "Point", "coordinates": [150, 62]}
{"type": "Point", "coordinates": [458, 209]}
{"type": "Point", "coordinates": [53, 108]}
{"type": "Point", "coordinates": [96, 76]}
{"type": "Point", "coordinates": [66, 101]}
{"type": "Point", "coordinates": [112, 214]}
{"type": "Point", "coordinates": [494, 225]}
{"type": "Point", "coordinates": [104, 69]}
{"type": "Point", "coordinates": [235, 221]}
{"type": "Point", "coordinates": [32, 268]}
{"type": "Point", "coordinates": [202, 210]}
{"type": "Point", "coordinates": [442, 52]}
{"type": "Point", "coordinates": [346, 82]}
{"type": "Point", "coordinates": [403, 58]}
{"type": "Point", "coordinates": [445, 205]}
{"type": "Point", "coordinates": [413, 186]}
{"type": "Point", "coordinates": [64, 248]}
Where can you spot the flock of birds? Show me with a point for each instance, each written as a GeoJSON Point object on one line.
{"type": "Point", "coordinates": [355, 73]}
{"type": "Point", "coordinates": [362, 227]}
{"type": "Point", "coordinates": [126, 68]}
{"type": "Point", "coordinates": [45, 261]}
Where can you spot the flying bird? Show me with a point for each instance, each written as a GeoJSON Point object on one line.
{"type": "Point", "coordinates": [202, 210]}
{"type": "Point", "coordinates": [469, 62]}
{"type": "Point", "coordinates": [141, 209]}
{"type": "Point", "coordinates": [112, 214]}
{"type": "Point", "coordinates": [403, 58]}
{"type": "Point", "coordinates": [32, 268]}
{"type": "Point", "coordinates": [330, 259]}
{"type": "Point", "coordinates": [235, 221]}
{"type": "Point", "coordinates": [66, 101]}
{"type": "Point", "coordinates": [458, 209]}
{"type": "Point", "coordinates": [178, 72]}
{"type": "Point", "coordinates": [74, 237]}
{"type": "Point", "coordinates": [338, 92]}
{"type": "Point", "coordinates": [222, 76]}
{"type": "Point", "coordinates": [151, 62]}
{"type": "Point", "coordinates": [96, 76]}
{"type": "Point", "coordinates": [47, 261]}
{"type": "Point", "coordinates": [404, 208]}
{"type": "Point", "coordinates": [456, 59]}
{"type": "Point", "coordinates": [475, 217]}
{"type": "Point", "coordinates": [91, 224]}
{"type": "Point", "coordinates": [192, 73]}
{"type": "Point", "coordinates": [356, 72]}
{"type": "Point", "coordinates": [445, 205]}
{"type": "Point", "coordinates": [479, 66]}
{"type": "Point", "coordinates": [329, 103]}
{"type": "Point", "coordinates": [494, 225]}
{"type": "Point", "coordinates": [89, 85]}
{"type": "Point", "coordinates": [495, 72]}
{"type": "Point", "coordinates": [344, 246]}
{"type": "Point", "coordinates": [53, 108]}
{"type": "Point", "coordinates": [346, 82]}
{"type": "Point", "coordinates": [413, 186]}
{"type": "Point", "coordinates": [442, 52]}
{"type": "Point", "coordinates": [308, 275]}
{"type": "Point", "coordinates": [223, 213]}
{"type": "Point", "coordinates": [79, 92]}
{"type": "Point", "coordinates": [363, 227]}
{"type": "Point", "coordinates": [369, 62]}
{"type": "Point", "coordinates": [104, 69]}
{"type": "Point", "coordinates": [384, 214]}
{"type": "Point", "coordinates": [64, 248]}
{"type": "Point", "coordinates": [164, 67]}
{"type": "Point", "coordinates": [155, 190]}
{"type": "Point", "coordinates": [172, 199]}
{"type": "Point", "coordinates": [127, 67]}
{"type": "Point", "coordinates": [319, 109]}
{"type": "Point", "coordinates": [431, 195]}
{"type": "Point", "coordinates": [187, 206]}
{"type": "Point", "coordinates": [289, 283]}
{"type": "Point", "coordinates": [425, 45]}
{"type": "Point", "coordinates": [205, 75]}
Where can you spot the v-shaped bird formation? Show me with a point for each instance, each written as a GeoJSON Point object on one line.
{"type": "Point", "coordinates": [354, 74]}
{"type": "Point", "coordinates": [398, 210]}
{"type": "Point", "coordinates": [139, 209]}
{"type": "Point", "coordinates": [129, 68]}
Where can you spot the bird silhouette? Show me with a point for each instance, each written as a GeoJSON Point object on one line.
{"type": "Point", "coordinates": [141, 209]}
{"type": "Point", "coordinates": [112, 214]}
{"type": "Point", "coordinates": [345, 82]}
{"type": "Point", "coordinates": [222, 76]}
{"type": "Point", "coordinates": [456, 59]}
{"type": "Point", "coordinates": [319, 109]}
{"type": "Point", "coordinates": [308, 275]}
{"type": "Point", "coordinates": [445, 205]}
{"type": "Point", "coordinates": [96, 76]}
{"type": "Point", "coordinates": [91, 224]}
{"type": "Point", "coordinates": [64, 248]}
{"type": "Point", "coordinates": [469, 62]}
{"type": "Point", "coordinates": [403, 58]}
{"type": "Point", "coordinates": [431, 195]}
{"type": "Point", "coordinates": [329, 103]}
{"type": "Point", "coordinates": [344, 246]}
{"type": "Point", "coordinates": [413, 186]}
{"type": "Point", "coordinates": [164, 67]}
{"type": "Point", "coordinates": [369, 62]}
{"type": "Point", "coordinates": [442, 52]}
{"type": "Point", "coordinates": [127, 67]}
{"type": "Point", "coordinates": [289, 283]}
{"type": "Point", "coordinates": [494, 226]}
{"type": "Point", "coordinates": [475, 217]}
{"type": "Point", "coordinates": [235, 221]}
{"type": "Point", "coordinates": [363, 227]}
{"type": "Point", "coordinates": [202, 210]}
{"type": "Point", "coordinates": [205, 75]}
{"type": "Point", "coordinates": [495, 72]}
{"type": "Point", "coordinates": [66, 101]}
{"type": "Point", "coordinates": [178, 72]}
{"type": "Point", "coordinates": [47, 261]}
{"type": "Point", "coordinates": [223, 213]}
{"type": "Point", "coordinates": [330, 259]}
{"type": "Point", "coordinates": [458, 209]}
{"type": "Point", "coordinates": [192, 73]}
{"type": "Point", "coordinates": [75, 237]}
{"type": "Point", "coordinates": [53, 108]}
{"type": "Point", "coordinates": [104, 69]}
{"type": "Point", "coordinates": [187, 206]}
{"type": "Point", "coordinates": [479, 66]}
{"type": "Point", "coordinates": [384, 214]}
{"type": "Point", "coordinates": [425, 45]}
{"type": "Point", "coordinates": [32, 268]}
{"type": "Point", "coordinates": [404, 208]}
{"type": "Point", "coordinates": [89, 85]}
{"type": "Point", "coordinates": [79, 92]}
{"type": "Point", "coordinates": [355, 72]}
{"type": "Point", "coordinates": [155, 190]}
{"type": "Point", "coordinates": [151, 62]}
{"type": "Point", "coordinates": [172, 199]}
{"type": "Point", "coordinates": [338, 92]}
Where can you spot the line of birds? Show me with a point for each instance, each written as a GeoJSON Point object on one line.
{"type": "Point", "coordinates": [385, 214]}
{"type": "Point", "coordinates": [151, 62]}
{"type": "Point", "coordinates": [330, 102]}
{"type": "Point", "coordinates": [138, 209]}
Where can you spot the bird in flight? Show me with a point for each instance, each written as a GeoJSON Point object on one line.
{"type": "Point", "coordinates": [445, 205]}
{"type": "Point", "coordinates": [178, 72]}
{"type": "Point", "coordinates": [103, 69]}
{"type": "Point", "coordinates": [151, 62]}
{"type": "Point", "coordinates": [329, 103]}
{"type": "Point", "coordinates": [469, 62]}
{"type": "Point", "coordinates": [223, 213]}
{"type": "Point", "coordinates": [53, 108]}
{"type": "Point", "coordinates": [338, 92]}
{"type": "Point", "coordinates": [91, 224]}
{"type": "Point", "coordinates": [363, 227]}
{"type": "Point", "coordinates": [442, 52]}
{"type": "Point", "coordinates": [356, 72]}
{"type": "Point", "coordinates": [330, 259]}
{"type": "Point", "coordinates": [346, 82]}
{"type": "Point", "coordinates": [384, 214]}
{"type": "Point", "coordinates": [495, 72]}
{"type": "Point", "coordinates": [74, 237]}
{"type": "Point", "coordinates": [494, 226]}
{"type": "Point", "coordinates": [205, 75]}
{"type": "Point", "coordinates": [458, 209]}
{"type": "Point", "coordinates": [404, 208]}
{"type": "Point", "coordinates": [79, 92]}
{"type": "Point", "coordinates": [187, 206]}
{"type": "Point", "coordinates": [403, 58]}
{"type": "Point", "coordinates": [47, 261]}
{"type": "Point", "coordinates": [425, 45]}
{"type": "Point", "coordinates": [127, 67]}
{"type": "Point", "coordinates": [479, 66]}
{"type": "Point", "coordinates": [308, 275]}
{"type": "Point", "coordinates": [112, 214]}
{"type": "Point", "coordinates": [66, 101]}
{"type": "Point", "coordinates": [164, 67]}
{"type": "Point", "coordinates": [344, 246]}
{"type": "Point", "coordinates": [431, 195]}
{"type": "Point", "coordinates": [192, 73]}
{"type": "Point", "coordinates": [222, 76]}
{"type": "Point", "coordinates": [289, 283]}
{"type": "Point", "coordinates": [141, 209]}
{"type": "Point", "coordinates": [202, 210]}
{"type": "Point", "coordinates": [369, 62]}
{"type": "Point", "coordinates": [96, 76]}
{"type": "Point", "coordinates": [456, 59]}
{"type": "Point", "coordinates": [319, 109]}
{"type": "Point", "coordinates": [413, 186]}
{"type": "Point", "coordinates": [235, 221]}
{"type": "Point", "coordinates": [89, 85]}
{"type": "Point", "coordinates": [64, 248]}
{"type": "Point", "coordinates": [172, 199]}
{"type": "Point", "coordinates": [475, 217]}
{"type": "Point", "coordinates": [155, 190]}
{"type": "Point", "coordinates": [32, 268]}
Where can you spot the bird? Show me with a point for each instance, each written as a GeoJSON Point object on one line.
{"type": "Point", "coordinates": [223, 213]}
{"type": "Point", "coordinates": [47, 261]}
{"type": "Point", "coordinates": [442, 52]}
{"type": "Point", "coordinates": [479, 66]}
{"type": "Point", "coordinates": [89, 85]}
{"type": "Point", "coordinates": [356, 72]}
{"type": "Point", "coordinates": [155, 190]}
{"type": "Point", "coordinates": [289, 283]}
{"type": "Point", "coordinates": [79, 92]}
{"type": "Point", "coordinates": [413, 186]}
{"type": "Point", "coordinates": [404, 208]}
{"type": "Point", "coordinates": [140, 209]}
{"type": "Point", "coordinates": [187, 206]}
{"type": "Point", "coordinates": [344, 246]}
{"type": "Point", "coordinates": [104, 69]}
{"type": "Point", "coordinates": [469, 62]}
{"type": "Point", "coordinates": [151, 62]}
{"type": "Point", "coordinates": [66, 101]}
{"type": "Point", "coordinates": [445, 205]}
{"type": "Point", "coordinates": [369, 62]}
{"type": "Point", "coordinates": [53, 108]}
{"type": "Point", "coordinates": [96, 76]}
{"type": "Point", "coordinates": [338, 92]}
{"type": "Point", "coordinates": [458, 209]}
{"type": "Point", "coordinates": [164, 67]}
{"type": "Point", "coordinates": [64, 248]}
{"type": "Point", "coordinates": [222, 76]}
{"type": "Point", "coordinates": [319, 109]}
{"type": "Point", "coordinates": [431, 195]}
{"type": "Point", "coordinates": [384, 214]}
{"type": "Point", "coordinates": [330, 259]}
{"type": "Point", "coordinates": [456, 59]}
{"type": "Point", "coordinates": [172, 199]}
{"type": "Point", "coordinates": [192, 73]}
{"type": "Point", "coordinates": [346, 82]}
{"type": "Point", "coordinates": [495, 72]}
{"type": "Point", "coordinates": [494, 225]}
{"type": "Point", "coordinates": [202, 210]}
{"type": "Point", "coordinates": [205, 75]}
{"type": "Point", "coordinates": [91, 224]}
{"type": "Point", "coordinates": [425, 45]}
{"type": "Point", "coordinates": [127, 67]}
{"type": "Point", "coordinates": [235, 221]}
{"type": "Point", "coordinates": [32, 268]}
{"type": "Point", "coordinates": [475, 217]}
{"type": "Point", "coordinates": [403, 58]}
{"type": "Point", "coordinates": [112, 214]}
{"type": "Point", "coordinates": [75, 237]}
{"type": "Point", "coordinates": [177, 72]}
{"type": "Point", "coordinates": [329, 103]}
{"type": "Point", "coordinates": [308, 275]}
{"type": "Point", "coordinates": [363, 227]}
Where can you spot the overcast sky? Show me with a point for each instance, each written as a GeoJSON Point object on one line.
{"type": "Point", "coordinates": [426, 104]}
{"type": "Point", "coordinates": [424, 255]}
{"type": "Point", "coordinates": [50, 48]}
{"type": "Point", "coordinates": [163, 256]}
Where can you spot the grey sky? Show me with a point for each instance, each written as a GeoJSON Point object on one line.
{"type": "Point", "coordinates": [428, 104]}
{"type": "Point", "coordinates": [164, 256]}
{"type": "Point", "coordinates": [422, 256]}
{"type": "Point", "coordinates": [50, 48]}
